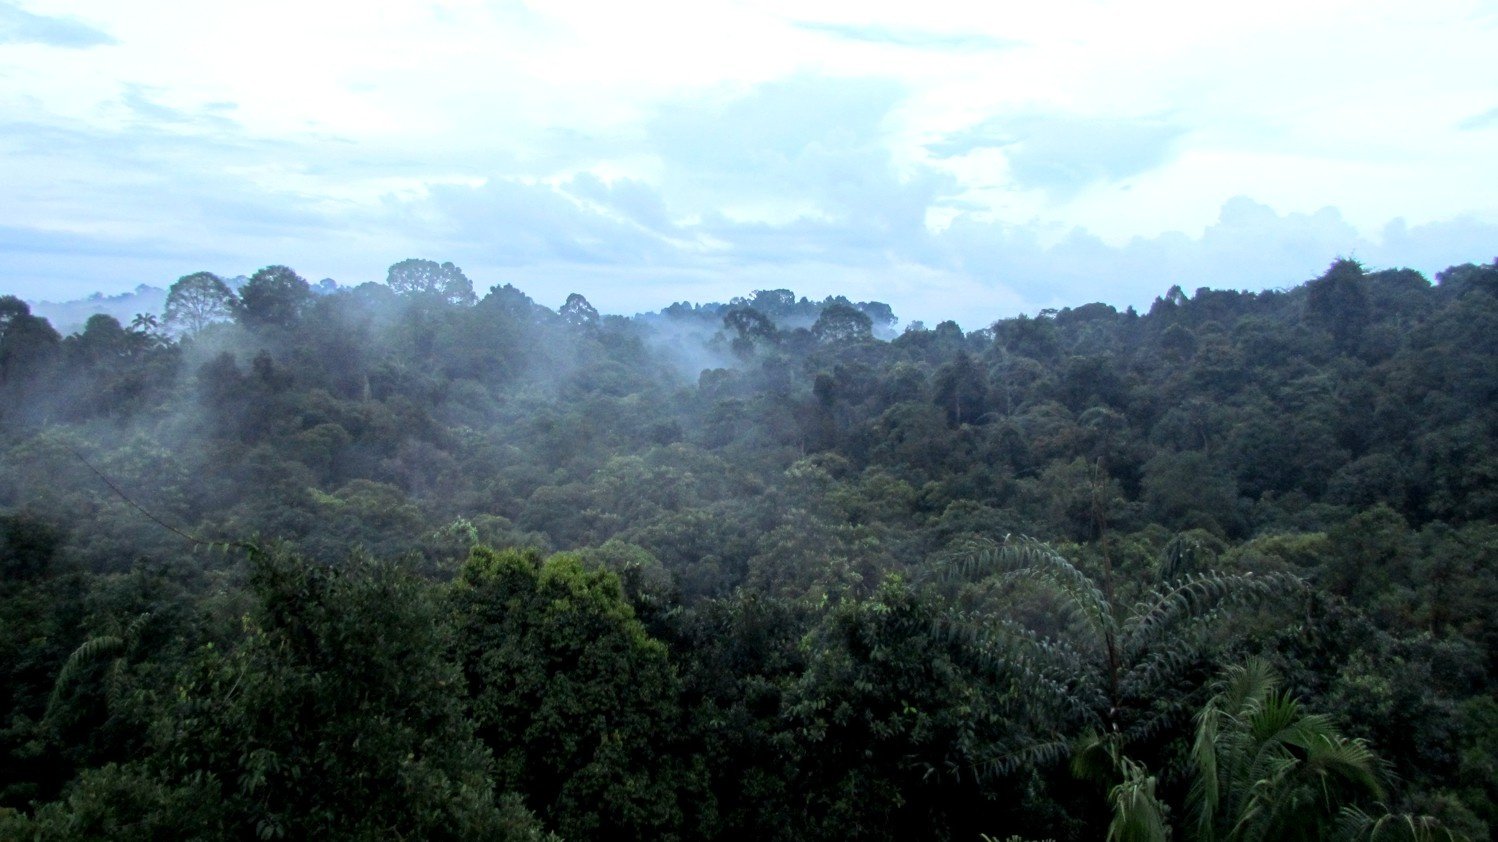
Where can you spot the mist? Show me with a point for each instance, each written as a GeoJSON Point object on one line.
{"type": "Point", "coordinates": [775, 474]}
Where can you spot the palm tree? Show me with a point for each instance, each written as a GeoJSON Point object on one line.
{"type": "Point", "coordinates": [109, 650]}
{"type": "Point", "coordinates": [1261, 768]}
{"type": "Point", "coordinates": [1107, 667]}
{"type": "Point", "coordinates": [1264, 768]}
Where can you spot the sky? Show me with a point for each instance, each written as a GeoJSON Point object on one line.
{"type": "Point", "coordinates": [958, 160]}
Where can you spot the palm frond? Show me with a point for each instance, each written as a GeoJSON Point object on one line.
{"type": "Point", "coordinates": [1263, 764]}
{"type": "Point", "coordinates": [1329, 755]}
{"type": "Point", "coordinates": [1053, 675]}
{"type": "Point", "coordinates": [1195, 596]}
{"type": "Point", "coordinates": [1354, 825]}
{"type": "Point", "coordinates": [134, 628]}
{"type": "Point", "coordinates": [1024, 755]}
{"type": "Point", "coordinates": [1156, 669]}
{"type": "Point", "coordinates": [96, 650]}
{"type": "Point", "coordinates": [1217, 751]}
{"type": "Point", "coordinates": [1097, 758]}
{"type": "Point", "coordinates": [1018, 557]}
{"type": "Point", "coordinates": [1181, 556]}
{"type": "Point", "coordinates": [92, 651]}
{"type": "Point", "coordinates": [1138, 814]}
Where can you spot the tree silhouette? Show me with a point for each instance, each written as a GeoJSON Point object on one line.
{"type": "Point", "coordinates": [196, 301]}
{"type": "Point", "coordinates": [578, 312]}
{"type": "Point", "coordinates": [427, 277]}
{"type": "Point", "coordinates": [842, 323]}
{"type": "Point", "coordinates": [273, 297]}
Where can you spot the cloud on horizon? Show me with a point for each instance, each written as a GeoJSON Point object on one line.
{"type": "Point", "coordinates": [544, 240]}
{"type": "Point", "coordinates": [798, 182]}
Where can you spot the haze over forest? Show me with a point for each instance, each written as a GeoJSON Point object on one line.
{"type": "Point", "coordinates": [815, 420]}
{"type": "Point", "coordinates": [765, 568]}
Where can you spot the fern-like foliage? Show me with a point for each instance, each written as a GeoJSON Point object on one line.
{"type": "Point", "coordinates": [92, 651]}
{"type": "Point", "coordinates": [109, 649]}
{"type": "Point", "coordinates": [1262, 769]}
{"type": "Point", "coordinates": [1354, 825]}
{"type": "Point", "coordinates": [1018, 557]}
{"type": "Point", "coordinates": [1113, 668]}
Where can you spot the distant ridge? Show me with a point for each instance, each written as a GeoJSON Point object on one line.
{"type": "Point", "coordinates": [70, 316]}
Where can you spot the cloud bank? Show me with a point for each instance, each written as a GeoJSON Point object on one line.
{"type": "Point", "coordinates": [958, 167]}
{"type": "Point", "coordinates": [18, 26]}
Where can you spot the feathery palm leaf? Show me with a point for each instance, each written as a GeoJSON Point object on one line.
{"type": "Point", "coordinates": [1354, 825]}
{"type": "Point", "coordinates": [1266, 769]}
{"type": "Point", "coordinates": [1119, 662]}
{"type": "Point", "coordinates": [108, 649]}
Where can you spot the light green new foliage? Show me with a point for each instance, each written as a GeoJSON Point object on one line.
{"type": "Point", "coordinates": [571, 694]}
{"type": "Point", "coordinates": [1138, 815]}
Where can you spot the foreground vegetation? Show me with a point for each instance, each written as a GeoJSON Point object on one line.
{"type": "Point", "coordinates": [401, 560]}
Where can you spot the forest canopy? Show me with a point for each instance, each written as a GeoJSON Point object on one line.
{"type": "Point", "coordinates": [401, 559]}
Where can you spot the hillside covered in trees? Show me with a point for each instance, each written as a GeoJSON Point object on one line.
{"type": "Point", "coordinates": [407, 561]}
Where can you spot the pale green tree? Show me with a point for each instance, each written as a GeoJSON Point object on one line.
{"type": "Point", "coordinates": [196, 301]}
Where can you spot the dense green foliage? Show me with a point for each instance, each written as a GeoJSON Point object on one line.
{"type": "Point", "coordinates": [751, 570]}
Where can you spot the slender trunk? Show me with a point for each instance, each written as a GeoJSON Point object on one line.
{"type": "Point", "coordinates": [1110, 640]}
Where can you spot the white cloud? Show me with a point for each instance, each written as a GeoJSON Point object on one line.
{"type": "Point", "coordinates": [18, 26]}
{"type": "Point", "coordinates": [1010, 155]}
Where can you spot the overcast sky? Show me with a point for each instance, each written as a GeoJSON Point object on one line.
{"type": "Point", "coordinates": [958, 160]}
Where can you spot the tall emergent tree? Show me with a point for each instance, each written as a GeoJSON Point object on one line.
{"type": "Point", "coordinates": [198, 300]}
{"type": "Point", "coordinates": [578, 312]}
{"type": "Point", "coordinates": [750, 327]}
{"type": "Point", "coordinates": [25, 340]}
{"type": "Point", "coordinates": [842, 323]}
{"type": "Point", "coordinates": [426, 277]}
{"type": "Point", "coordinates": [273, 297]}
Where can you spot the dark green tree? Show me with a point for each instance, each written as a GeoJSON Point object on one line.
{"type": "Point", "coordinates": [428, 278]}
{"type": "Point", "coordinates": [273, 297]}
{"type": "Point", "coordinates": [892, 727]}
{"type": "Point", "coordinates": [576, 311]}
{"type": "Point", "coordinates": [751, 328]}
{"type": "Point", "coordinates": [960, 388]}
{"type": "Point", "coordinates": [27, 342]}
{"type": "Point", "coordinates": [337, 716]}
{"type": "Point", "coordinates": [839, 323]}
{"type": "Point", "coordinates": [580, 706]}
{"type": "Point", "coordinates": [1338, 303]}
